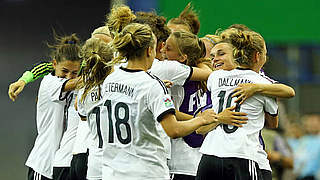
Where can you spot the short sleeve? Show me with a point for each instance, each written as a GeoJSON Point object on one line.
{"type": "Point", "coordinates": [210, 81]}
{"type": "Point", "coordinates": [179, 73]}
{"type": "Point", "coordinates": [271, 106]}
{"type": "Point", "coordinates": [272, 81]}
{"type": "Point", "coordinates": [172, 70]}
{"type": "Point", "coordinates": [56, 86]}
{"type": "Point", "coordinates": [159, 101]}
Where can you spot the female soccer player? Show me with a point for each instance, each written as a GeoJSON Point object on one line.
{"type": "Point", "coordinates": [82, 162]}
{"type": "Point", "coordinates": [222, 55]}
{"type": "Point", "coordinates": [73, 144]}
{"type": "Point", "coordinates": [98, 56]}
{"type": "Point", "coordinates": [188, 49]}
{"type": "Point", "coordinates": [54, 98]}
{"type": "Point", "coordinates": [239, 159]}
{"type": "Point", "coordinates": [133, 148]}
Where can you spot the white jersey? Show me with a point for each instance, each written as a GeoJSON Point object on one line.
{"type": "Point", "coordinates": [63, 155]}
{"type": "Point", "coordinates": [230, 141]}
{"type": "Point", "coordinates": [171, 70]}
{"type": "Point", "coordinates": [82, 136]}
{"type": "Point", "coordinates": [90, 109]}
{"type": "Point", "coordinates": [185, 159]}
{"type": "Point", "coordinates": [133, 104]}
{"type": "Point", "coordinates": [52, 106]}
{"type": "Point", "coordinates": [262, 158]}
{"type": "Point", "coordinates": [178, 74]}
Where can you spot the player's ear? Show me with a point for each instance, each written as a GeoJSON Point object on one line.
{"type": "Point", "coordinates": [183, 58]}
{"type": "Point", "coordinates": [256, 56]}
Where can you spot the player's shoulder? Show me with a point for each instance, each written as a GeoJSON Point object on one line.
{"type": "Point", "coordinates": [52, 79]}
{"type": "Point", "coordinates": [155, 82]}
{"type": "Point", "coordinates": [167, 64]}
{"type": "Point", "coordinates": [250, 74]}
{"type": "Point", "coordinates": [263, 79]}
{"type": "Point", "coordinates": [218, 73]}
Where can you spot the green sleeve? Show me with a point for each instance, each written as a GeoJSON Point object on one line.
{"type": "Point", "coordinates": [83, 64]}
{"type": "Point", "coordinates": [37, 71]}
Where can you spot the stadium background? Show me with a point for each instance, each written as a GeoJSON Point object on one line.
{"type": "Point", "coordinates": [290, 28]}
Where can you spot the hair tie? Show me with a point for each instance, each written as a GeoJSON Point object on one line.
{"type": "Point", "coordinates": [71, 42]}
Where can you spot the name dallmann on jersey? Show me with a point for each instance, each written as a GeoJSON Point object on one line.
{"type": "Point", "coordinates": [120, 88]}
{"type": "Point", "coordinates": [232, 82]}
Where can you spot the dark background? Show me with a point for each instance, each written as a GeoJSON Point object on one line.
{"type": "Point", "coordinates": [25, 27]}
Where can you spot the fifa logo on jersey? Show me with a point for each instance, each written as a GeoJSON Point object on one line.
{"type": "Point", "coordinates": [167, 102]}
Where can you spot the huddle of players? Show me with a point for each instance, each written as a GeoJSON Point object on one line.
{"type": "Point", "coordinates": [129, 114]}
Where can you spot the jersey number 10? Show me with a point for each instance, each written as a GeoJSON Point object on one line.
{"type": "Point", "coordinates": [222, 95]}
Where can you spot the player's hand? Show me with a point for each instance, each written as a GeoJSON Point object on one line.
{"type": "Point", "coordinates": [227, 116]}
{"type": "Point", "coordinates": [15, 89]}
{"type": "Point", "coordinates": [244, 91]}
{"type": "Point", "coordinates": [274, 156]}
{"type": "Point", "coordinates": [168, 83]}
{"type": "Point", "coordinates": [209, 116]}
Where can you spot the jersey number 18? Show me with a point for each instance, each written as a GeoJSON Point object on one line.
{"type": "Point", "coordinates": [118, 121]}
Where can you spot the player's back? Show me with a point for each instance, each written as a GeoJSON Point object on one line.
{"type": "Point", "coordinates": [133, 101]}
{"type": "Point", "coordinates": [231, 141]}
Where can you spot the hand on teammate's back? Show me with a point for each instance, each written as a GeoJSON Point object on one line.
{"type": "Point", "coordinates": [227, 116]}
{"type": "Point", "coordinates": [15, 89]}
{"type": "Point", "coordinates": [168, 83]}
{"type": "Point", "coordinates": [244, 91]}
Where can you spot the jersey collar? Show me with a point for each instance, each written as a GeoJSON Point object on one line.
{"type": "Point", "coordinates": [130, 70]}
{"type": "Point", "coordinates": [240, 68]}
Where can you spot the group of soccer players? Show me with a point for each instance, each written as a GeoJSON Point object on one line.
{"type": "Point", "coordinates": [142, 99]}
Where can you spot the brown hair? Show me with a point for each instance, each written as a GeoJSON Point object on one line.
{"type": "Point", "coordinates": [240, 27]}
{"type": "Point", "coordinates": [189, 18]}
{"type": "Point", "coordinates": [195, 50]}
{"type": "Point", "coordinates": [98, 57]}
{"type": "Point", "coordinates": [133, 40]}
{"type": "Point", "coordinates": [119, 17]}
{"type": "Point", "coordinates": [190, 45]}
{"type": "Point", "coordinates": [66, 48]}
{"type": "Point", "coordinates": [156, 23]}
{"type": "Point", "coordinates": [245, 43]}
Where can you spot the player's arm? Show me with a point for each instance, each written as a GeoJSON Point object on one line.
{"type": "Point", "coordinates": [245, 91]}
{"type": "Point", "coordinates": [37, 71]}
{"type": "Point", "coordinates": [227, 116]}
{"type": "Point", "coordinates": [271, 121]}
{"type": "Point", "coordinates": [271, 112]}
{"type": "Point", "coordinates": [182, 116]}
{"type": "Point", "coordinates": [200, 73]}
{"type": "Point", "coordinates": [277, 157]}
{"type": "Point", "coordinates": [176, 129]}
{"type": "Point", "coordinates": [72, 84]}
{"type": "Point", "coordinates": [82, 117]}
